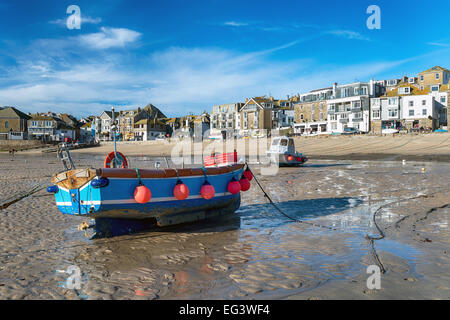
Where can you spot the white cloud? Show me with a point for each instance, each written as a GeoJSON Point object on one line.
{"type": "Point", "coordinates": [348, 34]}
{"type": "Point", "coordinates": [110, 38]}
{"type": "Point", "coordinates": [178, 80]}
{"type": "Point", "coordinates": [236, 24]}
{"type": "Point", "coordinates": [439, 44]}
{"type": "Point", "coordinates": [84, 19]}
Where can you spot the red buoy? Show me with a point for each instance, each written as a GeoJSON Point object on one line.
{"type": "Point", "coordinates": [298, 159]}
{"type": "Point", "coordinates": [181, 191]}
{"type": "Point", "coordinates": [248, 174]}
{"type": "Point", "coordinates": [234, 186]}
{"type": "Point", "coordinates": [245, 184]}
{"type": "Point", "coordinates": [290, 158]}
{"type": "Point", "coordinates": [142, 194]}
{"type": "Point", "coordinates": [207, 191]}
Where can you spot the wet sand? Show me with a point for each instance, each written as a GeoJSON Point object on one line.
{"type": "Point", "coordinates": [254, 254]}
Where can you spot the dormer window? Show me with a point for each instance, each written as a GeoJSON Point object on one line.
{"type": "Point", "coordinates": [411, 80]}
{"type": "Point", "coordinates": [404, 90]}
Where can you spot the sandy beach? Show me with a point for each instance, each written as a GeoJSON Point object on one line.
{"type": "Point", "coordinates": [255, 253]}
{"type": "Point", "coordinates": [428, 147]}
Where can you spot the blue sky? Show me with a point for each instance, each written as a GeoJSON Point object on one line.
{"type": "Point", "coordinates": [186, 56]}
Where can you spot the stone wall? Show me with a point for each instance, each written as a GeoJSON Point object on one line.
{"type": "Point", "coordinates": [6, 145]}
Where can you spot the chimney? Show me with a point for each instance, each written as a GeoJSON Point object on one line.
{"type": "Point", "coordinates": [335, 89]}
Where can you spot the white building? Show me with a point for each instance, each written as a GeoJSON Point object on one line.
{"type": "Point", "coordinates": [349, 107]}
{"type": "Point", "coordinates": [225, 119]}
{"type": "Point", "coordinates": [105, 124]}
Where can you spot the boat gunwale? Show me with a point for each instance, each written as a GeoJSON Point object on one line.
{"type": "Point", "coordinates": [166, 173]}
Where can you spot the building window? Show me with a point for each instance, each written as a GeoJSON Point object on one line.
{"type": "Point", "coordinates": [437, 76]}
{"type": "Point", "coordinates": [411, 103]}
{"type": "Point", "coordinates": [424, 102]}
{"type": "Point", "coordinates": [421, 78]}
{"type": "Point", "coordinates": [364, 90]}
{"type": "Point", "coordinates": [443, 99]}
{"type": "Point", "coordinates": [6, 124]}
{"type": "Point", "coordinates": [411, 80]}
{"type": "Point", "coordinates": [376, 113]}
{"type": "Point", "coordinates": [411, 113]}
{"type": "Point", "coordinates": [393, 113]}
{"type": "Point", "coordinates": [301, 117]}
{"type": "Point", "coordinates": [424, 112]}
{"type": "Point", "coordinates": [334, 126]}
{"type": "Point", "coordinates": [434, 88]}
{"type": "Point", "coordinates": [392, 82]}
{"type": "Point", "coordinates": [392, 101]}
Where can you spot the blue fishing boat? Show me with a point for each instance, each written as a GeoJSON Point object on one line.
{"type": "Point", "coordinates": [123, 200]}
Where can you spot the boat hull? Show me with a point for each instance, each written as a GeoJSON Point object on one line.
{"type": "Point", "coordinates": [282, 159]}
{"type": "Point", "coordinates": [113, 206]}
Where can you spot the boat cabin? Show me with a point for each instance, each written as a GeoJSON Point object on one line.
{"type": "Point", "coordinates": [282, 145]}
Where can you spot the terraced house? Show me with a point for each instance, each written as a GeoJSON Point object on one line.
{"type": "Point", "coordinates": [349, 105]}
{"type": "Point", "coordinates": [256, 115]}
{"type": "Point", "coordinates": [311, 111]}
{"type": "Point", "coordinates": [48, 127]}
{"type": "Point", "coordinates": [413, 103]}
{"type": "Point", "coordinates": [225, 119]}
{"type": "Point", "coordinates": [13, 124]}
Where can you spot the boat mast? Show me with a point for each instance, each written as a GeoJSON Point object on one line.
{"type": "Point", "coordinates": [113, 131]}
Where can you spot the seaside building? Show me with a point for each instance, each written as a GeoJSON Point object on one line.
{"type": "Point", "coordinates": [283, 115]}
{"type": "Point", "coordinates": [413, 103]}
{"type": "Point", "coordinates": [13, 124]}
{"type": "Point", "coordinates": [105, 119]}
{"type": "Point", "coordinates": [349, 106]}
{"type": "Point", "coordinates": [48, 127]}
{"type": "Point", "coordinates": [127, 119]}
{"type": "Point", "coordinates": [225, 119]}
{"type": "Point", "coordinates": [149, 129]}
{"type": "Point", "coordinates": [257, 114]}
{"type": "Point", "coordinates": [311, 111]}
{"type": "Point", "coordinates": [87, 132]}
{"type": "Point", "coordinates": [433, 76]}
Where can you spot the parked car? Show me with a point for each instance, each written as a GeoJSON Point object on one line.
{"type": "Point", "coordinates": [351, 131]}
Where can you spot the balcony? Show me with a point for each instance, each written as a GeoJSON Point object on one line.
{"type": "Point", "coordinates": [343, 120]}
{"type": "Point", "coordinates": [358, 119]}
{"type": "Point", "coordinates": [331, 111]}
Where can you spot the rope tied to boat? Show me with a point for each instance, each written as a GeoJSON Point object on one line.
{"type": "Point", "coordinates": [139, 176]}
{"type": "Point", "coordinates": [281, 211]}
{"type": "Point", "coordinates": [371, 239]}
{"type": "Point", "coordinates": [205, 173]}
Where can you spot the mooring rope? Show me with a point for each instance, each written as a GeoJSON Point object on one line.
{"type": "Point", "coordinates": [371, 239]}
{"type": "Point", "coordinates": [284, 213]}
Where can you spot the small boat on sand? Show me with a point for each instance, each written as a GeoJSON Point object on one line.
{"type": "Point", "coordinates": [110, 196]}
{"type": "Point", "coordinates": [282, 150]}
{"type": "Point", "coordinates": [124, 200]}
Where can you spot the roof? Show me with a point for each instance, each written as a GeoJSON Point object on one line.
{"type": "Point", "coordinates": [13, 112]}
{"type": "Point", "coordinates": [143, 121]}
{"type": "Point", "coordinates": [444, 87]}
{"type": "Point", "coordinates": [43, 117]}
{"type": "Point", "coordinates": [87, 125]}
{"type": "Point", "coordinates": [415, 91]}
{"type": "Point", "coordinates": [434, 69]}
